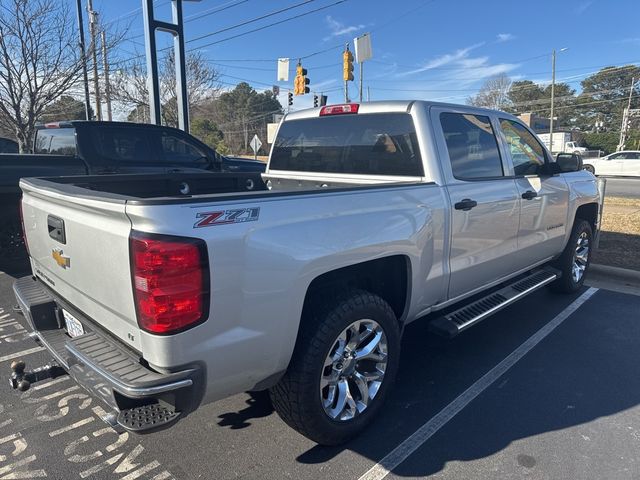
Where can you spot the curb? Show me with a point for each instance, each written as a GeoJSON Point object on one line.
{"type": "Point", "coordinates": [624, 275]}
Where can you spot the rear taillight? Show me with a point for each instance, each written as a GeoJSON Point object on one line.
{"type": "Point", "coordinates": [339, 109]}
{"type": "Point", "coordinates": [170, 282]}
{"type": "Point", "coordinates": [24, 233]}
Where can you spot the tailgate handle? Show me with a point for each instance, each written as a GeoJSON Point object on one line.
{"type": "Point", "coordinates": [55, 226]}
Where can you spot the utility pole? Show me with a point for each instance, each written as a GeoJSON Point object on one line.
{"type": "Point", "coordinates": [368, 94]}
{"type": "Point", "coordinates": [105, 68]}
{"type": "Point", "coordinates": [625, 119]}
{"type": "Point", "coordinates": [83, 58]}
{"type": "Point", "coordinates": [553, 91]}
{"type": "Point", "coordinates": [93, 20]}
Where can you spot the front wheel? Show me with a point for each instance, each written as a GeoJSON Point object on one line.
{"type": "Point", "coordinates": [589, 168]}
{"type": "Point", "coordinates": [575, 259]}
{"type": "Point", "coordinates": [343, 365]}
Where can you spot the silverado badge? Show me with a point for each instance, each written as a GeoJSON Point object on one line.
{"type": "Point", "coordinates": [57, 254]}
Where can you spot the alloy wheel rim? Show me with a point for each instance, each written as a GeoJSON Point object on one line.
{"type": "Point", "coordinates": [353, 370]}
{"type": "Point", "coordinates": [580, 257]}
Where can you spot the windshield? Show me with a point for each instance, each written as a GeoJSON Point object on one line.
{"type": "Point", "coordinates": [370, 144]}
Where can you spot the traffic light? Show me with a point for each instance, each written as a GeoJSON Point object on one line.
{"type": "Point", "coordinates": [315, 100]}
{"type": "Point", "coordinates": [290, 96]}
{"type": "Point", "coordinates": [301, 81]}
{"type": "Point", "coordinates": [323, 100]}
{"type": "Point", "coordinates": [347, 67]}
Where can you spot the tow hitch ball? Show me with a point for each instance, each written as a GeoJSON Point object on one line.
{"type": "Point", "coordinates": [22, 380]}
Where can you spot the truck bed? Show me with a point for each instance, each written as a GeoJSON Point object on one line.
{"type": "Point", "coordinates": [145, 186]}
{"type": "Point", "coordinates": [174, 188]}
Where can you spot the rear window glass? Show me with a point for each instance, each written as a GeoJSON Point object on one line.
{"type": "Point", "coordinates": [369, 144]}
{"type": "Point", "coordinates": [125, 145]}
{"type": "Point", "coordinates": [56, 141]}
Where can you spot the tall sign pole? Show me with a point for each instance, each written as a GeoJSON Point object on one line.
{"type": "Point", "coordinates": [153, 83]}
{"type": "Point", "coordinates": [83, 59]}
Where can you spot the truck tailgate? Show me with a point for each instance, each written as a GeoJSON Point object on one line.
{"type": "Point", "coordinates": [79, 247]}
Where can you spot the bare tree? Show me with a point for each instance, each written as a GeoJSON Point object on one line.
{"type": "Point", "coordinates": [494, 93]}
{"type": "Point", "coordinates": [39, 62]}
{"type": "Point", "coordinates": [202, 84]}
{"type": "Point", "coordinates": [130, 86]}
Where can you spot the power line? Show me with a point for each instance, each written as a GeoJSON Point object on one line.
{"type": "Point", "coordinates": [195, 16]}
{"type": "Point", "coordinates": [211, 11]}
{"type": "Point", "coordinates": [271, 24]}
{"type": "Point", "coordinates": [253, 31]}
{"type": "Point", "coordinates": [252, 20]}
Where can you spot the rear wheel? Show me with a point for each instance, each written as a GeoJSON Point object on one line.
{"type": "Point", "coordinates": [575, 259]}
{"type": "Point", "coordinates": [344, 363]}
{"type": "Point", "coordinates": [589, 168]}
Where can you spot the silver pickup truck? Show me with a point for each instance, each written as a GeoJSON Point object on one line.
{"type": "Point", "coordinates": [160, 293]}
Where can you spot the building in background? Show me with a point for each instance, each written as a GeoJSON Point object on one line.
{"type": "Point", "coordinates": [533, 121]}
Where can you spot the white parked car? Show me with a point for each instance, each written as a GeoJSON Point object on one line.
{"type": "Point", "coordinates": [625, 163]}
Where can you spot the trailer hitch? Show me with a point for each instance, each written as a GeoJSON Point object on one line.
{"type": "Point", "coordinates": [22, 379]}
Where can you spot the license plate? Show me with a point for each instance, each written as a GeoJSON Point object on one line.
{"type": "Point", "coordinates": [74, 327]}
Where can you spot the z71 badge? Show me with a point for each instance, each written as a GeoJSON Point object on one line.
{"type": "Point", "coordinates": [225, 217]}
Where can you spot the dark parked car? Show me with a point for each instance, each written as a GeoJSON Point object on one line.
{"type": "Point", "coordinates": [96, 148]}
{"type": "Point", "coordinates": [8, 146]}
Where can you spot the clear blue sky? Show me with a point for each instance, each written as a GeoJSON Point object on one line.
{"type": "Point", "coordinates": [434, 49]}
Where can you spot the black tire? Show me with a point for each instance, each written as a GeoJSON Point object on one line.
{"type": "Point", "coordinates": [297, 397]}
{"type": "Point", "coordinates": [565, 263]}
{"type": "Point", "coordinates": [589, 168]}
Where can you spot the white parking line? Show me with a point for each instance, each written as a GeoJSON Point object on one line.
{"type": "Point", "coordinates": [20, 354]}
{"type": "Point", "coordinates": [47, 384]}
{"type": "Point", "coordinates": [426, 431]}
{"type": "Point", "coordinates": [72, 426]}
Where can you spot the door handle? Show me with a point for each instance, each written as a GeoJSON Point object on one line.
{"type": "Point", "coordinates": [465, 204]}
{"type": "Point", "coordinates": [529, 195]}
{"type": "Point", "coordinates": [175, 170]}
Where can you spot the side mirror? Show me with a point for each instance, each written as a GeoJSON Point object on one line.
{"type": "Point", "coordinates": [569, 162]}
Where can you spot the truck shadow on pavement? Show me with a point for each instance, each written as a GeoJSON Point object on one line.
{"type": "Point", "coordinates": [259, 405]}
{"type": "Point", "coordinates": [583, 371]}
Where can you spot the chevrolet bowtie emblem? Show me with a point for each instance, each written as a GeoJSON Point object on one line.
{"type": "Point", "coordinates": [57, 254]}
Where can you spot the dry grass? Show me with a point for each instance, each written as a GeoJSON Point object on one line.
{"type": "Point", "coordinates": [620, 236]}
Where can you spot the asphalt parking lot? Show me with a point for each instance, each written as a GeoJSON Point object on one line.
{"type": "Point", "coordinates": [547, 388]}
{"type": "Point", "coordinates": [628, 187]}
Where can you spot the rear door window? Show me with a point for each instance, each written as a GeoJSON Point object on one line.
{"type": "Point", "coordinates": [123, 145]}
{"type": "Point", "coordinates": [360, 144]}
{"type": "Point", "coordinates": [56, 141]}
{"type": "Point", "coordinates": [472, 146]}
